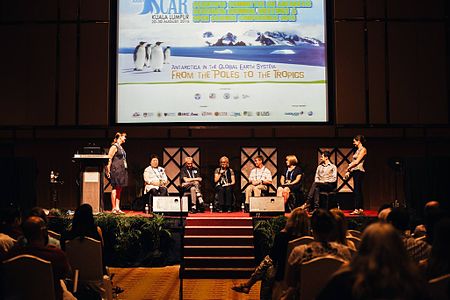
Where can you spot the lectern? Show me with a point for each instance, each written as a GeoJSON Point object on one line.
{"type": "Point", "coordinates": [92, 168]}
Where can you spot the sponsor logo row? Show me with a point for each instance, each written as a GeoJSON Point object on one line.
{"type": "Point", "coordinates": [144, 115]}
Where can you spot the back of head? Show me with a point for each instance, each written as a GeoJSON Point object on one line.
{"type": "Point", "coordinates": [298, 223]}
{"type": "Point", "coordinates": [382, 268]}
{"type": "Point", "coordinates": [399, 218]}
{"type": "Point", "coordinates": [39, 212]}
{"type": "Point", "coordinates": [340, 231]}
{"type": "Point", "coordinates": [83, 220]}
{"type": "Point", "coordinates": [33, 229]}
{"type": "Point", "coordinates": [323, 225]}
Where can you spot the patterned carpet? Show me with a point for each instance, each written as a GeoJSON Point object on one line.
{"type": "Point", "coordinates": [164, 284]}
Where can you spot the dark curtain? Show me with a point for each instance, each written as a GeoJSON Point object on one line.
{"type": "Point", "coordinates": [426, 179]}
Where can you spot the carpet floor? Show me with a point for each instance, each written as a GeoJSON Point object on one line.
{"type": "Point", "coordinates": [164, 284]}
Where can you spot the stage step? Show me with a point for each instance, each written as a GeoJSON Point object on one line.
{"type": "Point", "coordinates": [218, 230]}
{"type": "Point", "coordinates": [218, 221]}
{"type": "Point", "coordinates": [219, 250]}
{"type": "Point", "coordinates": [218, 247]}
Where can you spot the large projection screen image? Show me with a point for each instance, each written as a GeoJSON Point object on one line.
{"type": "Point", "coordinates": [184, 61]}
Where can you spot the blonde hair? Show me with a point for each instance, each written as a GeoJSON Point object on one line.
{"type": "Point", "coordinates": [292, 159]}
{"type": "Point", "coordinates": [224, 158]}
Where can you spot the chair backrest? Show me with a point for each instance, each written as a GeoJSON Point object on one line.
{"type": "Point", "coordinates": [294, 243]}
{"type": "Point", "coordinates": [314, 274]}
{"type": "Point", "coordinates": [355, 233]}
{"type": "Point", "coordinates": [355, 240]}
{"type": "Point", "coordinates": [26, 276]}
{"type": "Point", "coordinates": [439, 288]}
{"type": "Point", "coordinates": [54, 235]}
{"type": "Point", "coordinates": [85, 255]}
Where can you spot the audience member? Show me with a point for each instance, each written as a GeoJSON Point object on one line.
{"type": "Point", "coordinates": [438, 263]}
{"type": "Point", "coordinates": [271, 269]}
{"type": "Point", "coordinates": [323, 227]}
{"type": "Point", "coordinates": [10, 223]}
{"type": "Point", "coordinates": [83, 225]}
{"type": "Point", "coordinates": [39, 212]}
{"type": "Point", "coordinates": [381, 270]}
{"type": "Point", "coordinates": [340, 234]}
{"type": "Point", "coordinates": [35, 232]}
{"type": "Point", "coordinates": [418, 250]}
{"type": "Point", "coordinates": [428, 209]}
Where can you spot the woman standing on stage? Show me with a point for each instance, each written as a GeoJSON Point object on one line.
{"type": "Point", "coordinates": [116, 170]}
{"type": "Point", "coordinates": [356, 170]}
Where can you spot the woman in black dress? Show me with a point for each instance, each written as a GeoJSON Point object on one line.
{"type": "Point", "coordinates": [116, 170]}
{"type": "Point", "coordinates": [290, 181]}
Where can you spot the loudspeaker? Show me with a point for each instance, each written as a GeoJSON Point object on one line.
{"type": "Point", "coordinates": [266, 204]}
{"type": "Point", "coordinates": [169, 204]}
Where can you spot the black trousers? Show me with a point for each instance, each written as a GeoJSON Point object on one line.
{"type": "Point", "coordinates": [225, 195]}
{"type": "Point", "coordinates": [316, 188]}
{"type": "Point", "coordinates": [162, 191]}
{"type": "Point", "coordinates": [358, 178]}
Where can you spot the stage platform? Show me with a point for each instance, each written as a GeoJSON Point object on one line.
{"type": "Point", "coordinates": [208, 214]}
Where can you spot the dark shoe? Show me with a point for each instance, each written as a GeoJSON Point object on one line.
{"type": "Point", "coordinates": [246, 208]}
{"type": "Point", "coordinates": [193, 211]}
{"type": "Point", "coordinates": [201, 208]}
{"type": "Point", "coordinates": [241, 289]}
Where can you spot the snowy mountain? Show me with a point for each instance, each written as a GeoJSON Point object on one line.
{"type": "Point", "coordinates": [255, 38]}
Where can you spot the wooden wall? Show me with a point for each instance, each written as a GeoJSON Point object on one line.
{"type": "Point", "coordinates": [389, 70]}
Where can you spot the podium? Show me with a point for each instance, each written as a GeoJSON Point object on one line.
{"type": "Point", "coordinates": [92, 171]}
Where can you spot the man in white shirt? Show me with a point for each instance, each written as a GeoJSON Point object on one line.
{"type": "Point", "coordinates": [260, 177]}
{"type": "Point", "coordinates": [324, 181]}
{"type": "Point", "coordinates": [155, 179]}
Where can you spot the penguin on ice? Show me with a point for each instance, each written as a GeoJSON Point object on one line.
{"type": "Point", "coordinates": [167, 55]}
{"type": "Point", "coordinates": [148, 52]}
{"type": "Point", "coordinates": [157, 57]}
{"type": "Point", "coordinates": [139, 56]}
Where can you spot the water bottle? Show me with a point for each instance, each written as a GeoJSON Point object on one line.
{"type": "Point", "coordinates": [211, 207]}
{"type": "Point", "coordinates": [243, 207]}
{"type": "Point", "coordinates": [146, 208]}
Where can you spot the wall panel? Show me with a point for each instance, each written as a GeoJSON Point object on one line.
{"type": "Point", "coordinates": [67, 75]}
{"type": "Point", "coordinates": [94, 74]}
{"type": "Point", "coordinates": [376, 72]}
{"type": "Point", "coordinates": [349, 73]}
{"type": "Point", "coordinates": [348, 8]}
{"type": "Point", "coordinates": [403, 73]}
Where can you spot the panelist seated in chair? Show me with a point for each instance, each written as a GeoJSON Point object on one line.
{"type": "Point", "coordinates": [290, 179]}
{"type": "Point", "coordinates": [191, 182]}
{"type": "Point", "coordinates": [155, 179]}
{"type": "Point", "coordinates": [224, 181]}
{"type": "Point", "coordinates": [324, 181]}
{"type": "Point", "coordinates": [260, 178]}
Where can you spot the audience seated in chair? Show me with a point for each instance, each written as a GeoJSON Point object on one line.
{"type": "Point", "coordinates": [191, 184]}
{"type": "Point", "coordinates": [324, 181]}
{"type": "Point", "coordinates": [418, 250]}
{"type": "Point", "coordinates": [224, 180]}
{"type": "Point", "coordinates": [271, 269]}
{"type": "Point", "coordinates": [323, 227]}
{"type": "Point", "coordinates": [83, 225]}
{"type": "Point", "coordinates": [380, 270]}
{"type": "Point", "coordinates": [35, 231]}
{"type": "Point", "coordinates": [341, 229]}
{"type": "Point", "coordinates": [260, 178]}
{"type": "Point", "coordinates": [39, 212]}
{"type": "Point", "coordinates": [290, 182]}
{"type": "Point", "coordinates": [438, 264]}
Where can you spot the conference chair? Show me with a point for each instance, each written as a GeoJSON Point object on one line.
{"type": "Point", "coordinates": [439, 288]}
{"type": "Point", "coordinates": [355, 240]}
{"type": "Point", "coordinates": [355, 233]}
{"type": "Point", "coordinates": [27, 277]}
{"type": "Point", "coordinates": [314, 275]}
{"type": "Point", "coordinates": [85, 255]}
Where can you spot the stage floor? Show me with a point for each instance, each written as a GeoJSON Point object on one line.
{"type": "Point", "coordinates": [208, 214]}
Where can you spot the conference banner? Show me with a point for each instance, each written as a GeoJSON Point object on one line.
{"type": "Point", "coordinates": [221, 61]}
